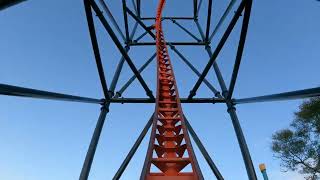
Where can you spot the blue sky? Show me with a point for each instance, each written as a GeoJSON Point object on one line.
{"type": "Point", "coordinates": [46, 45]}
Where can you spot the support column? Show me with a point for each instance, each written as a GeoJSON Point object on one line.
{"type": "Point", "coordinates": [93, 144]}
{"type": "Point", "coordinates": [242, 142]}
{"type": "Point", "coordinates": [233, 115]}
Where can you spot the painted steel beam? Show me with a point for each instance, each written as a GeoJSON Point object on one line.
{"type": "Point", "coordinates": [130, 81]}
{"type": "Point", "coordinates": [134, 6]}
{"type": "Point", "coordinates": [173, 43]}
{"type": "Point", "coordinates": [292, 95]}
{"type": "Point", "coordinates": [140, 23]}
{"type": "Point", "coordinates": [185, 30]}
{"type": "Point", "coordinates": [140, 37]}
{"type": "Point", "coordinates": [96, 51]}
{"type": "Point", "coordinates": [217, 50]}
{"type": "Point", "coordinates": [125, 17]}
{"type": "Point", "coordinates": [236, 124]}
{"type": "Point", "coordinates": [199, 7]}
{"type": "Point", "coordinates": [183, 100]}
{"type": "Point", "coordinates": [139, 7]}
{"type": "Point", "coordinates": [223, 17]}
{"type": "Point", "coordinates": [120, 65]}
{"type": "Point", "coordinates": [113, 21]}
{"type": "Point", "coordinates": [93, 144]}
{"type": "Point", "coordinates": [242, 142]}
{"type": "Point", "coordinates": [168, 154]}
{"type": "Point", "coordinates": [168, 18]}
{"type": "Point", "coordinates": [120, 48]}
{"type": "Point", "coordinates": [233, 115]}
{"type": "Point", "coordinates": [203, 150]}
{"type": "Point", "coordinates": [8, 3]}
{"type": "Point", "coordinates": [200, 29]}
{"type": "Point", "coordinates": [218, 73]}
{"type": "Point", "coordinates": [208, 20]}
{"type": "Point", "coordinates": [242, 41]}
{"type": "Point", "coordinates": [184, 59]}
{"type": "Point", "coordinates": [133, 150]}
{"type": "Point", "coordinates": [10, 90]}
{"type": "Point", "coordinates": [195, 8]}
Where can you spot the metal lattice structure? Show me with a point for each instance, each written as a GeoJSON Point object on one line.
{"type": "Point", "coordinates": [170, 128]}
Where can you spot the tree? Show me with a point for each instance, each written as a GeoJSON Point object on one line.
{"type": "Point", "coordinates": [298, 147]}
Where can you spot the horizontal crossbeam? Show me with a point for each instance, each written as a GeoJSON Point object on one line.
{"type": "Point", "coordinates": [183, 100]}
{"type": "Point", "coordinates": [172, 43]}
{"type": "Point", "coordinates": [10, 90]}
{"type": "Point", "coordinates": [166, 18]}
{"type": "Point", "coordinates": [299, 94]}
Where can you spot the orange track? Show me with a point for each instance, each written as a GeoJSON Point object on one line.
{"type": "Point", "coordinates": [170, 149]}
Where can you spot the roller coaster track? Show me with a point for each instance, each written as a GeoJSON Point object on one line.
{"type": "Point", "coordinates": [170, 155]}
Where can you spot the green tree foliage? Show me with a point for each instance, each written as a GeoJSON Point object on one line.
{"type": "Point", "coordinates": [298, 147]}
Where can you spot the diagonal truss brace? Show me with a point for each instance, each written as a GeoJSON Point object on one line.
{"type": "Point", "coordinates": [218, 49]}
{"type": "Point", "coordinates": [91, 3]}
{"type": "Point", "coordinates": [120, 64]}
{"type": "Point", "coordinates": [204, 152]}
{"type": "Point", "coordinates": [185, 30]}
{"type": "Point", "coordinates": [148, 29]}
{"type": "Point", "coordinates": [113, 21]}
{"type": "Point", "coordinates": [242, 41]}
{"type": "Point", "coordinates": [184, 59]}
{"type": "Point", "coordinates": [133, 149]}
{"type": "Point", "coordinates": [130, 81]}
{"type": "Point", "coordinates": [96, 51]}
{"type": "Point", "coordinates": [231, 109]}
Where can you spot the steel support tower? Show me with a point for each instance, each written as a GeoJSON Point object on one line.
{"type": "Point", "coordinates": [170, 148]}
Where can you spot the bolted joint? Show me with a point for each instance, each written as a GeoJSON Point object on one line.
{"type": "Point", "coordinates": [232, 101]}
{"type": "Point", "coordinates": [127, 46]}
{"type": "Point", "coordinates": [236, 12]}
{"type": "Point", "coordinates": [217, 94]}
{"type": "Point", "coordinates": [103, 101]}
{"type": "Point", "coordinates": [118, 94]}
{"type": "Point", "coordinates": [128, 42]}
{"type": "Point", "coordinates": [213, 100]}
{"type": "Point", "coordinates": [99, 13]}
{"type": "Point", "coordinates": [151, 27]}
{"type": "Point", "coordinates": [105, 107]}
{"type": "Point", "coordinates": [110, 93]}
{"type": "Point", "coordinates": [192, 94]}
{"type": "Point", "coordinates": [225, 93]}
{"type": "Point", "coordinates": [172, 47]}
{"type": "Point", "coordinates": [121, 100]}
{"type": "Point", "coordinates": [208, 47]}
{"type": "Point", "coordinates": [150, 94]}
{"type": "Point", "coordinates": [231, 108]}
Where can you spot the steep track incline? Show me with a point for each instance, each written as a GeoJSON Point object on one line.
{"type": "Point", "coordinates": [170, 155]}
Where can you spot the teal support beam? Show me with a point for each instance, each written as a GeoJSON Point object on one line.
{"type": "Point", "coordinates": [263, 170]}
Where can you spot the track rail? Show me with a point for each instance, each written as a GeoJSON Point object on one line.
{"type": "Point", "coordinates": [170, 155]}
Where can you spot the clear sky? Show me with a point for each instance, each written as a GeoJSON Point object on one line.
{"type": "Point", "coordinates": [46, 45]}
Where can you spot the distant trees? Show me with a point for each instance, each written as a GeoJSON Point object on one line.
{"type": "Point", "coordinates": [298, 147]}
